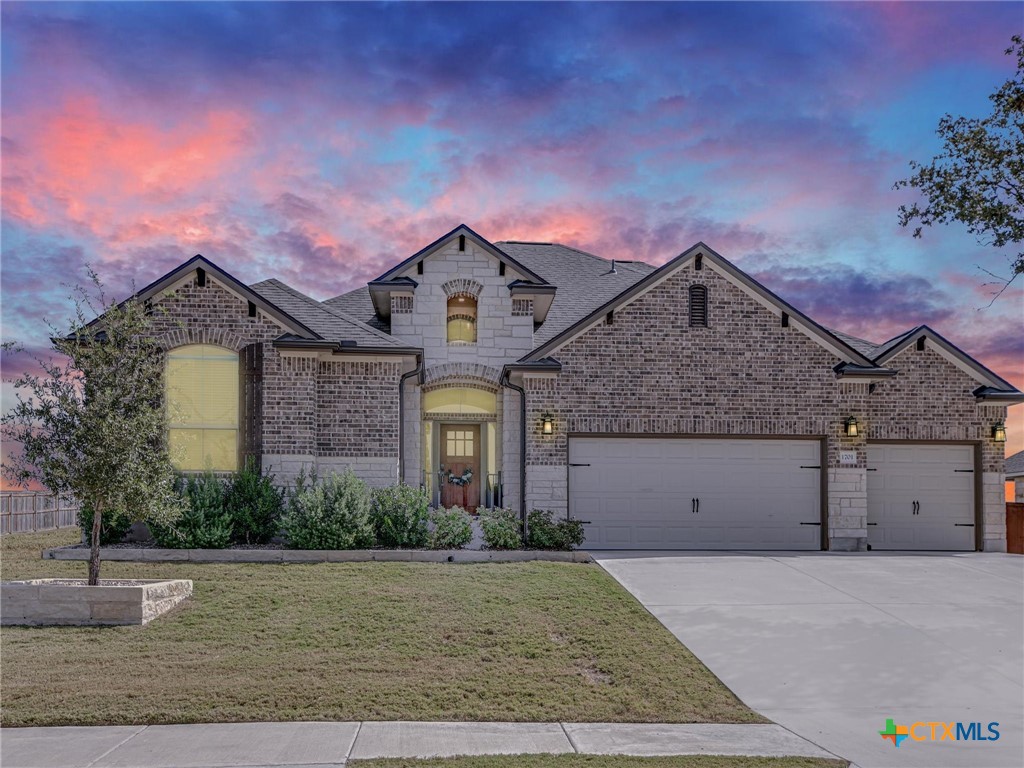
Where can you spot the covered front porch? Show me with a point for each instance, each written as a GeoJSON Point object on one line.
{"type": "Point", "coordinates": [460, 440]}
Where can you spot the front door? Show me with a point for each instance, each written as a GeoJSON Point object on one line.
{"type": "Point", "coordinates": [460, 466]}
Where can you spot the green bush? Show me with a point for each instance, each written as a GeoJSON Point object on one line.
{"type": "Point", "coordinates": [543, 532]}
{"type": "Point", "coordinates": [332, 514]}
{"type": "Point", "coordinates": [452, 528]}
{"type": "Point", "coordinates": [501, 529]}
{"type": "Point", "coordinates": [399, 515]}
{"type": "Point", "coordinates": [113, 527]}
{"type": "Point", "coordinates": [254, 506]}
{"type": "Point", "coordinates": [204, 523]}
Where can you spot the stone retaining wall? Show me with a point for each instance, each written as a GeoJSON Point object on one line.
{"type": "Point", "coordinates": [73, 602]}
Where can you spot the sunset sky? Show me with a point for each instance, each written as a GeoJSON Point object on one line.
{"type": "Point", "coordinates": [320, 143]}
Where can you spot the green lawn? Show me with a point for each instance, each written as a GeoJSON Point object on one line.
{"type": "Point", "coordinates": [595, 761]}
{"type": "Point", "coordinates": [358, 641]}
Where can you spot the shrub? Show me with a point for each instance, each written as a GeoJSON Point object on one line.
{"type": "Point", "coordinates": [254, 506]}
{"type": "Point", "coordinates": [543, 532]}
{"type": "Point", "coordinates": [332, 514]}
{"type": "Point", "coordinates": [204, 523]}
{"type": "Point", "coordinates": [399, 515]}
{"type": "Point", "coordinates": [114, 526]}
{"type": "Point", "coordinates": [501, 529]}
{"type": "Point", "coordinates": [452, 528]}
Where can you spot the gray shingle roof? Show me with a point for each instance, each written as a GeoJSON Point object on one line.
{"type": "Point", "coordinates": [866, 348]}
{"type": "Point", "coordinates": [883, 348]}
{"type": "Point", "coordinates": [1015, 465]}
{"type": "Point", "coordinates": [359, 305]}
{"type": "Point", "coordinates": [330, 322]}
{"type": "Point", "coordinates": [584, 281]}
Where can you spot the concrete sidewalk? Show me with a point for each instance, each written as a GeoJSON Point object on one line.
{"type": "Point", "coordinates": [298, 745]}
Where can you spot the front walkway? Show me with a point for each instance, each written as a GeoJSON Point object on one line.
{"type": "Point", "coordinates": [266, 745]}
{"type": "Point", "coordinates": [831, 645]}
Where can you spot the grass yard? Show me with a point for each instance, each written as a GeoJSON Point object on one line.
{"type": "Point", "coordinates": [595, 761]}
{"type": "Point", "coordinates": [360, 641]}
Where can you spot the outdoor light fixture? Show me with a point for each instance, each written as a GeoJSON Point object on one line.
{"type": "Point", "coordinates": [999, 432]}
{"type": "Point", "coordinates": [547, 424]}
{"type": "Point", "coordinates": [852, 428]}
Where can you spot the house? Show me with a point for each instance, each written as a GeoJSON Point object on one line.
{"type": "Point", "coordinates": [1015, 472]}
{"type": "Point", "coordinates": [678, 407]}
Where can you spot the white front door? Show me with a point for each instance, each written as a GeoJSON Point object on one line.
{"type": "Point", "coordinates": [696, 493]}
{"type": "Point", "coordinates": [921, 496]}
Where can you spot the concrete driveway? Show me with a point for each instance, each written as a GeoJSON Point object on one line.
{"type": "Point", "coordinates": [830, 645]}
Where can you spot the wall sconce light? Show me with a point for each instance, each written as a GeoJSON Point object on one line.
{"type": "Point", "coordinates": [999, 432]}
{"type": "Point", "coordinates": [851, 427]}
{"type": "Point", "coordinates": [547, 424]}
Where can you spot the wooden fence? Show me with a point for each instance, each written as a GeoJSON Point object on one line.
{"type": "Point", "coordinates": [1015, 528]}
{"type": "Point", "coordinates": [25, 511]}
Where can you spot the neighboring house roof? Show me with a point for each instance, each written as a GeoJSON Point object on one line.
{"type": "Point", "coordinates": [1014, 465]}
{"type": "Point", "coordinates": [731, 272]}
{"type": "Point", "coordinates": [583, 280]}
{"type": "Point", "coordinates": [330, 323]}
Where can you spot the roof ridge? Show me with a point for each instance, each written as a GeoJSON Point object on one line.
{"type": "Point", "coordinates": [558, 245]}
{"type": "Point", "coordinates": [331, 310]}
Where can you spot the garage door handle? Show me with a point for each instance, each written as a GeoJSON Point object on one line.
{"type": "Point", "coordinates": [810, 466]}
{"type": "Point", "coordinates": [810, 523]}
{"type": "Point", "coordinates": [578, 465]}
{"type": "Point", "coordinates": [963, 470]}
{"type": "Point", "coordinates": [964, 525]}
{"type": "Point", "coordinates": [872, 523]}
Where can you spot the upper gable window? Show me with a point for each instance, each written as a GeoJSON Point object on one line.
{"type": "Point", "coordinates": [698, 306]}
{"type": "Point", "coordinates": [202, 394]}
{"type": "Point", "coordinates": [462, 319]}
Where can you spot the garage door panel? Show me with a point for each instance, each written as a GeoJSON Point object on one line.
{"type": "Point", "coordinates": [753, 493]}
{"type": "Point", "coordinates": [921, 496]}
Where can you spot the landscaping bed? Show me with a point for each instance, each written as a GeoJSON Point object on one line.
{"type": "Point", "coordinates": [269, 554]}
{"type": "Point", "coordinates": [534, 641]}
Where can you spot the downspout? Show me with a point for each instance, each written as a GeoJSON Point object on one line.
{"type": "Point", "coordinates": [418, 370]}
{"type": "Point", "coordinates": [506, 382]}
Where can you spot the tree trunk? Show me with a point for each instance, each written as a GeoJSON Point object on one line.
{"type": "Point", "coordinates": [94, 550]}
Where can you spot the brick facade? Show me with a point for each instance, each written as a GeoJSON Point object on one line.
{"type": "Point", "coordinates": [650, 372]}
{"type": "Point", "coordinates": [323, 414]}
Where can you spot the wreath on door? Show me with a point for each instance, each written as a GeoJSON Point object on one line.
{"type": "Point", "coordinates": [464, 479]}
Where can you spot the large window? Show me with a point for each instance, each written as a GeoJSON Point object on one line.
{"type": "Point", "coordinates": [202, 407]}
{"type": "Point", "coordinates": [461, 319]}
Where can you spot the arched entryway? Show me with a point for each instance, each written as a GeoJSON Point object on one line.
{"type": "Point", "coordinates": [461, 446]}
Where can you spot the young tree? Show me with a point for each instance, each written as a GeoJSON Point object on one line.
{"type": "Point", "coordinates": [92, 423]}
{"type": "Point", "coordinates": [978, 179]}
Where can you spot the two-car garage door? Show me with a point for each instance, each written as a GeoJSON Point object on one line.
{"type": "Point", "coordinates": [696, 493]}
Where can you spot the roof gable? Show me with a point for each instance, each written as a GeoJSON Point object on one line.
{"type": "Point", "coordinates": [948, 350]}
{"type": "Point", "coordinates": [843, 350]}
{"type": "Point", "coordinates": [465, 231]}
{"type": "Point", "coordinates": [232, 285]}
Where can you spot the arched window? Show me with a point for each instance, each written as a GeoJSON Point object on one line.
{"type": "Point", "coordinates": [461, 319]}
{"type": "Point", "coordinates": [459, 400]}
{"type": "Point", "coordinates": [202, 407]}
{"type": "Point", "coordinates": [698, 306]}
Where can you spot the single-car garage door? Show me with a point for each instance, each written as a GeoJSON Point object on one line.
{"type": "Point", "coordinates": [921, 496]}
{"type": "Point", "coordinates": [696, 493]}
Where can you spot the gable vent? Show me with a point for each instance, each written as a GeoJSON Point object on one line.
{"type": "Point", "coordinates": [920, 344]}
{"type": "Point", "coordinates": [698, 306]}
{"type": "Point", "coordinates": [462, 242]}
